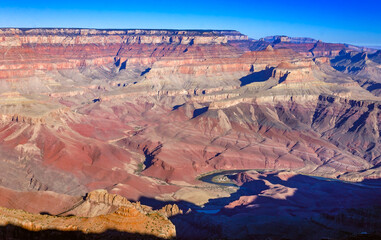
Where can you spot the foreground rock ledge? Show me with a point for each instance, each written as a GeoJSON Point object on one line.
{"type": "Point", "coordinates": [129, 220]}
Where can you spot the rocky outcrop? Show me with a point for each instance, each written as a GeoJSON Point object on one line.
{"type": "Point", "coordinates": [103, 197]}
{"type": "Point", "coordinates": [171, 210]}
{"type": "Point", "coordinates": [100, 202]}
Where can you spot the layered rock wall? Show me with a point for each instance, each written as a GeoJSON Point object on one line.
{"type": "Point", "coordinates": [27, 52]}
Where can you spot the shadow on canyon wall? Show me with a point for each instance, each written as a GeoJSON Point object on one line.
{"type": "Point", "coordinates": [260, 76]}
{"type": "Point", "coordinates": [198, 112]}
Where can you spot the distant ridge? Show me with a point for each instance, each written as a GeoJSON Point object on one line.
{"type": "Point", "coordinates": [374, 47]}
{"type": "Point", "coordinates": [283, 38]}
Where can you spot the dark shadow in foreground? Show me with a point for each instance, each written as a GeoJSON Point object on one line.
{"type": "Point", "coordinates": [16, 232]}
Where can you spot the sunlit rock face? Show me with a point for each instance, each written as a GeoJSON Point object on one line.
{"type": "Point", "coordinates": [143, 113]}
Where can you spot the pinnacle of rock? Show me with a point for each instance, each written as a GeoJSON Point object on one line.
{"type": "Point", "coordinates": [269, 48]}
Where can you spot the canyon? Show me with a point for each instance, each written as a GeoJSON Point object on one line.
{"type": "Point", "coordinates": [142, 115]}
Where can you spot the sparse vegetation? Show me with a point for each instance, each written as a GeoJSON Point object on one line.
{"type": "Point", "coordinates": [140, 168]}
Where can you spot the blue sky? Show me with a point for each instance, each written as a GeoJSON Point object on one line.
{"type": "Point", "coordinates": [357, 22]}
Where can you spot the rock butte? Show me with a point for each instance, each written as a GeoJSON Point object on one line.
{"type": "Point", "coordinates": [143, 113]}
